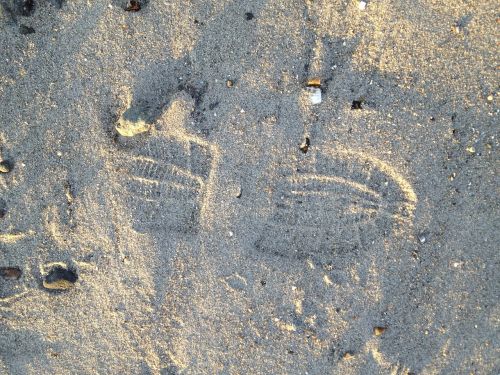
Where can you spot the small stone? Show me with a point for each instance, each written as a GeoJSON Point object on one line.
{"type": "Point", "coordinates": [60, 278]}
{"type": "Point", "coordinates": [471, 150]}
{"type": "Point", "coordinates": [131, 123]}
{"type": "Point", "coordinates": [348, 356]}
{"type": "Point", "coordinates": [249, 16]}
{"type": "Point", "coordinates": [422, 238]}
{"type": "Point", "coordinates": [362, 5]}
{"type": "Point", "coordinates": [133, 6]}
{"type": "Point", "coordinates": [356, 104]}
{"type": "Point", "coordinates": [10, 273]}
{"type": "Point", "coordinates": [5, 166]}
{"type": "Point", "coordinates": [314, 95]}
{"type": "Point", "coordinates": [377, 331]}
{"type": "Point", "coordinates": [314, 82]}
{"type": "Point", "coordinates": [304, 147]}
{"type": "Point", "coordinates": [490, 98]}
{"type": "Point", "coordinates": [229, 83]}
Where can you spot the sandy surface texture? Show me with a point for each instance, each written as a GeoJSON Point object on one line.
{"type": "Point", "coordinates": [249, 187]}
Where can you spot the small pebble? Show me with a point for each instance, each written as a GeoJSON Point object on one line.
{"type": "Point", "coordinates": [490, 98]}
{"type": "Point", "coordinates": [131, 123]}
{"type": "Point", "coordinates": [60, 278]}
{"type": "Point", "coordinates": [356, 104]}
{"type": "Point", "coordinates": [314, 82]}
{"type": "Point", "coordinates": [314, 95]}
{"type": "Point", "coordinates": [362, 5]}
{"type": "Point", "coordinates": [249, 16]}
{"type": "Point", "coordinates": [471, 150]}
{"type": "Point", "coordinates": [422, 238]}
{"type": "Point", "coordinates": [5, 166]}
{"type": "Point", "coordinates": [348, 356]}
{"type": "Point", "coordinates": [377, 331]}
{"type": "Point", "coordinates": [229, 83]}
{"type": "Point", "coordinates": [10, 273]}
{"type": "Point", "coordinates": [133, 6]}
{"type": "Point", "coordinates": [304, 147]}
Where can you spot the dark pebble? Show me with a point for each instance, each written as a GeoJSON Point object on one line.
{"type": "Point", "coordinates": [10, 273]}
{"type": "Point", "coordinates": [249, 16]}
{"type": "Point", "coordinates": [60, 278]}
{"type": "Point", "coordinates": [305, 146]}
{"type": "Point", "coordinates": [356, 104]}
{"type": "Point", "coordinates": [5, 166]}
{"type": "Point", "coordinates": [133, 6]}
{"type": "Point", "coordinates": [377, 331]}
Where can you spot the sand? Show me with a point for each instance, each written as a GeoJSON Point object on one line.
{"type": "Point", "coordinates": [158, 219]}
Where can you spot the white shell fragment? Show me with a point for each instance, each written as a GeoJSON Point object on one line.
{"type": "Point", "coordinates": [314, 95]}
{"type": "Point", "coordinates": [362, 5]}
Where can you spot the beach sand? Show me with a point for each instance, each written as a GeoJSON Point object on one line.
{"type": "Point", "coordinates": [172, 201]}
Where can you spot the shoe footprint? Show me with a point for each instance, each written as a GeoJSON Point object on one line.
{"type": "Point", "coordinates": [333, 206]}
{"type": "Point", "coordinates": [163, 182]}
